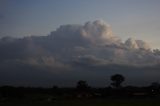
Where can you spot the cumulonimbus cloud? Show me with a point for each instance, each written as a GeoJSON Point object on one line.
{"type": "Point", "coordinates": [69, 46]}
{"type": "Point", "coordinates": [73, 42]}
{"type": "Point", "coordinates": [96, 39]}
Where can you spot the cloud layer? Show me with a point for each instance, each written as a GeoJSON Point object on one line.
{"type": "Point", "coordinates": [95, 40]}
{"type": "Point", "coordinates": [70, 49]}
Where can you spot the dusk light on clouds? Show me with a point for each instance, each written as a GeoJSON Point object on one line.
{"type": "Point", "coordinates": [58, 41]}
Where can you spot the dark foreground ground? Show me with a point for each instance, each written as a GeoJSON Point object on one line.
{"type": "Point", "coordinates": [90, 102]}
{"type": "Point", "coordinates": [80, 96]}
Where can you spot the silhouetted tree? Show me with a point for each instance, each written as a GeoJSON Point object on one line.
{"type": "Point", "coordinates": [82, 85]}
{"type": "Point", "coordinates": [155, 88]}
{"type": "Point", "coordinates": [117, 80]}
{"type": "Point", "coordinates": [83, 90]}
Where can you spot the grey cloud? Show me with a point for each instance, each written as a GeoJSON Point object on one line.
{"type": "Point", "coordinates": [137, 44]}
{"type": "Point", "coordinates": [156, 52]}
{"type": "Point", "coordinates": [71, 51]}
{"type": "Point", "coordinates": [91, 33]}
{"type": "Point", "coordinates": [46, 62]}
{"type": "Point", "coordinates": [73, 42]}
{"type": "Point", "coordinates": [98, 32]}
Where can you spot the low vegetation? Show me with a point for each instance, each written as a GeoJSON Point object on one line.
{"type": "Point", "coordinates": [82, 95]}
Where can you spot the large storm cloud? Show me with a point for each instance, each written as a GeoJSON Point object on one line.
{"type": "Point", "coordinates": [73, 52]}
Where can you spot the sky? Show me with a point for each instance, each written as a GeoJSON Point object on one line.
{"type": "Point", "coordinates": [62, 41]}
{"type": "Point", "coordinates": [128, 18]}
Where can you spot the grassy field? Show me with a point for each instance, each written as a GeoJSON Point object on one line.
{"type": "Point", "coordinates": [93, 102]}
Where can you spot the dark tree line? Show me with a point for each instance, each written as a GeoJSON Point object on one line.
{"type": "Point", "coordinates": [82, 90]}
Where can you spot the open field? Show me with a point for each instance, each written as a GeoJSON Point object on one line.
{"type": "Point", "coordinates": [92, 102]}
